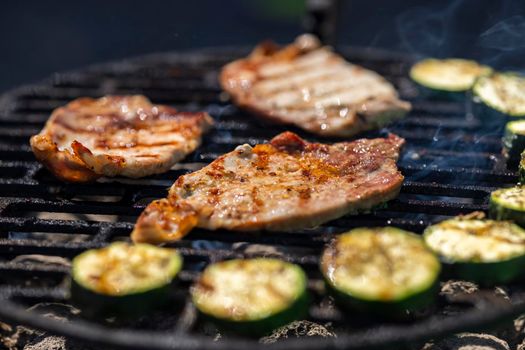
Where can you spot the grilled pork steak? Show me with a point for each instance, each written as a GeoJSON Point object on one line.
{"type": "Point", "coordinates": [313, 88]}
{"type": "Point", "coordinates": [287, 184]}
{"type": "Point", "coordinates": [116, 135]}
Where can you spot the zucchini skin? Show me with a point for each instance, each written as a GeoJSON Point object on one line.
{"type": "Point", "coordinates": [394, 310]}
{"type": "Point", "coordinates": [513, 146]}
{"type": "Point", "coordinates": [521, 169]}
{"type": "Point", "coordinates": [95, 305]}
{"type": "Point", "coordinates": [258, 328]}
{"type": "Point", "coordinates": [487, 274]}
{"type": "Point", "coordinates": [499, 212]}
{"type": "Point", "coordinates": [426, 92]}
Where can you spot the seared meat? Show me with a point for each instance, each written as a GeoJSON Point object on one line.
{"type": "Point", "coordinates": [287, 184]}
{"type": "Point", "coordinates": [313, 88]}
{"type": "Point", "coordinates": [116, 135]}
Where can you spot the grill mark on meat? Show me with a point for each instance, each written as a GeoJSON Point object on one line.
{"type": "Point", "coordinates": [298, 184]}
{"type": "Point", "coordinates": [348, 74]}
{"type": "Point", "coordinates": [303, 63]}
{"type": "Point", "coordinates": [337, 102]}
{"type": "Point", "coordinates": [104, 144]}
{"type": "Point", "coordinates": [268, 88]}
{"type": "Point", "coordinates": [309, 94]}
{"type": "Point", "coordinates": [117, 125]}
{"type": "Point", "coordinates": [147, 155]}
{"type": "Point", "coordinates": [364, 92]}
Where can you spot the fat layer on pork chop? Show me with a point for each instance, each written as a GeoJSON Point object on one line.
{"type": "Point", "coordinates": [287, 184]}
{"type": "Point", "coordinates": [116, 136]}
{"type": "Point", "coordinates": [313, 88]}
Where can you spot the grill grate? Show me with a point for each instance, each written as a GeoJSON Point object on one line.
{"type": "Point", "coordinates": [451, 162]}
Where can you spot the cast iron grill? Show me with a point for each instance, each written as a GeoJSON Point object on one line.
{"type": "Point", "coordinates": [451, 162]}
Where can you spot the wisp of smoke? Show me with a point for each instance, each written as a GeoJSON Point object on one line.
{"type": "Point", "coordinates": [424, 30]}
{"type": "Point", "coordinates": [506, 35]}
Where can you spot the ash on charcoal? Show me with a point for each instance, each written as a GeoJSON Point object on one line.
{"type": "Point", "coordinates": [452, 290]}
{"type": "Point", "coordinates": [463, 292]}
{"type": "Point", "coordinates": [519, 333]}
{"type": "Point", "coordinates": [43, 259]}
{"type": "Point", "coordinates": [452, 287]}
{"type": "Point", "coordinates": [262, 249]}
{"type": "Point", "coordinates": [463, 295]}
{"type": "Point", "coordinates": [519, 325]}
{"type": "Point", "coordinates": [49, 343]}
{"type": "Point", "coordinates": [24, 338]}
{"type": "Point", "coordinates": [298, 329]}
{"type": "Point", "coordinates": [469, 341]}
{"type": "Point", "coordinates": [57, 311]}
{"type": "Point", "coordinates": [501, 292]}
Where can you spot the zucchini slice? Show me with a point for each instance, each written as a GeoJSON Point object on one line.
{"type": "Point", "coordinates": [479, 250]}
{"type": "Point", "coordinates": [123, 279]}
{"type": "Point", "coordinates": [251, 296]}
{"type": "Point", "coordinates": [521, 169]}
{"type": "Point", "coordinates": [504, 92]}
{"type": "Point", "coordinates": [514, 141]}
{"type": "Point", "coordinates": [384, 271]}
{"type": "Point", "coordinates": [508, 204]}
{"type": "Point", "coordinates": [453, 74]}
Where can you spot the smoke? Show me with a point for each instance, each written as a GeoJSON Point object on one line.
{"type": "Point", "coordinates": [504, 44]}
{"type": "Point", "coordinates": [490, 32]}
{"type": "Point", "coordinates": [507, 35]}
{"type": "Point", "coordinates": [424, 30]}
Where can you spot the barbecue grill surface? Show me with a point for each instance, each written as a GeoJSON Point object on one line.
{"type": "Point", "coordinates": [451, 162]}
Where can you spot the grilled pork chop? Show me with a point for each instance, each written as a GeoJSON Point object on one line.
{"type": "Point", "coordinates": [313, 88]}
{"type": "Point", "coordinates": [287, 184]}
{"type": "Point", "coordinates": [116, 135]}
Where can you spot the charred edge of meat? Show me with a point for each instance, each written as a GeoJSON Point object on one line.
{"type": "Point", "coordinates": [167, 219]}
{"type": "Point", "coordinates": [65, 165]}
